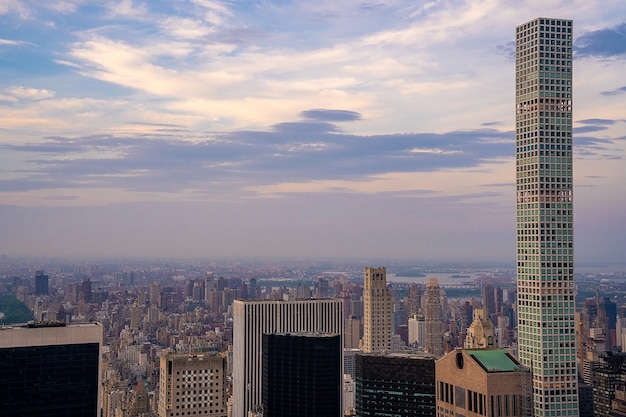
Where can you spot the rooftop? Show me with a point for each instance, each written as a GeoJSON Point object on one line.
{"type": "Point", "coordinates": [494, 360]}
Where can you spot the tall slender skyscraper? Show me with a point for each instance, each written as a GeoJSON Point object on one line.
{"type": "Point", "coordinates": [545, 253]}
{"type": "Point", "coordinates": [377, 311]}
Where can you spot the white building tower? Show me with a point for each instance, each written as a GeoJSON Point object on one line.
{"type": "Point", "coordinates": [545, 263]}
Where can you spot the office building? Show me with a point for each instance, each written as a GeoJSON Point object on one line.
{"type": "Point", "coordinates": [608, 375]}
{"type": "Point", "coordinates": [302, 375]}
{"type": "Point", "coordinates": [482, 382]}
{"type": "Point", "coordinates": [489, 300]}
{"type": "Point", "coordinates": [192, 384]}
{"type": "Point", "coordinates": [352, 329]}
{"type": "Point", "coordinates": [41, 283]}
{"type": "Point", "coordinates": [432, 314]}
{"type": "Point", "coordinates": [377, 311]}
{"type": "Point", "coordinates": [395, 385]}
{"type": "Point", "coordinates": [252, 319]}
{"type": "Point", "coordinates": [50, 370]}
{"type": "Point", "coordinates": [545, 253]}
{"type": "Point", "coordinates": [417, 331]}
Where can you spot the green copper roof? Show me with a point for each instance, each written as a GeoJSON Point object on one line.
{"type": "Point", "coordinates": [494, 360]}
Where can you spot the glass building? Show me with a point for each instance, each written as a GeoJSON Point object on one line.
{"type": "Point", "coordinates": [302, 375]}
{"type": "Point", "coordinates": [395, 385]}
{"type": "Point", "coordinates": [50, 370]}
{"type": "Point", "coordinates": [545, 253]}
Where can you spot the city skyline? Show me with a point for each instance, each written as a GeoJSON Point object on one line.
{"type": "Point", "coordinates": [213, 129]}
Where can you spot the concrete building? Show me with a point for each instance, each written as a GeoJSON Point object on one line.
{"type": "Point", "coordinates": [544, 202]}
{"type": "Point", "coordinates": [377, 311]}
{"type": "Point", "coordinates": [252, 319]}
{"type": "Point", "coordinates": [432, 315]}
{"type": "Point", "coordinates": [302, 375]}
{"type": "Point", "coordinates": [395, 384]}
{"type": "Point", "coordinates": [417, 330]}
{"type": "Point", "coordinates": [482, 383]}
{"type": "Point", "coordinates": [50, 370]}
{"type": "Point", "coordinates": [192, 384]}
{"type": "Point", "coordinates": [352, 336]}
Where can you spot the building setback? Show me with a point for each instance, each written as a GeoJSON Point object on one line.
{"type": "Point", "coordinates": [544, 203]}
{"type": "Point", "coordinates": [252, 319]}
{"type": "Point", "coordinates": [302, 375]}
{"type": "Point", "coordinates": [50, 370]}
{"type": "Point", "coordinates": [395, 385]}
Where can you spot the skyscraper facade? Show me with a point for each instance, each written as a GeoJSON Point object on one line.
{"type": "Point", "coordinates": [254, 318]}
{"type": "Point", "coordinates": [432, 315]}
{"type": "Point", "coordinates": [192, 384]}
{"type": "Point", "coordinates": [302, 375]}
{"type": "Point", "coordinates": [50, 370]}
{"type": "Point", "coordinates": [545, 264]}
{"type": "Point", "coordinates": [377, 311]}
{"type": "Point", "coordinates": [41, 283]}
{"type": "Point", "coordinates": [395, 384]}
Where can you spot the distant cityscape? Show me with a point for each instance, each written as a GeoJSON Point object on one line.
{"type": "Point", "coordinates": [151, 312]}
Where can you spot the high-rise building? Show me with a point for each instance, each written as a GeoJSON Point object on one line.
{"type": "Point", "coordinates": [545, 253]}
{"type": "Point", "coordinates": [50, 370]}
{"type": "Point", "coordinates": [252, 319]}
{"type": "Point", "coordinates": [395, 384]}
{"type": "Point", "coordinates": [302, 375]}
{"type": "Point", "coordinates": [432, 316]}
{"type": "Point", "coordinates": [192, 384]}
{"type": "Point", "coordinates": [41, 283]}
{"type": "Point", "coordinates": [489, 300]}
{"type": "Point", "coordinates": [417, 331]}
{"type": "Point", "coordinates": [377, 311]}
{"type": "Point", "coordinates": [352, 331]}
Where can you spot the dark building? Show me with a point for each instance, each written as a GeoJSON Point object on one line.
{"type": "Point", "coordinates": [607, 317]}
{"type": "Point", "coordinates": [489, 300]}
{"type": "Point", "coordinates": [606, 378]}
{"type": "Point", "coordinates": [585, 399]}
{"type": "Point", "coordinates": [302, 375]}
{"type": "Point", "coordinates": [86, 290]}
{"type": "Point", "coordinates": [41, 283]}
{"type": "Point", "coordinates": [395, 385]}
{"type": "Point", "coordinates": [50, 370]}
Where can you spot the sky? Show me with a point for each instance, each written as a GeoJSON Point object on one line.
{"type": "Point", "coordinates": [277, 129]}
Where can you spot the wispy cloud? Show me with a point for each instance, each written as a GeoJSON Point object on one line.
{"type": "Point", "coordinates": [607, 42]}
{"type": "Point", "coordinates": [617, 91]}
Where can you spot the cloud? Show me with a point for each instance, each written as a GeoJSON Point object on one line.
{"type": "Point", "coordinates": [617, 91]}
{"type": "Point", "coordinates": [598, 122]}
{"type": "Point", "coordinates": [589, 129]}
{"type": "Point", "coordinates": [16, 93]}
{"type": "Point", "coordinates": [331, 115]}
{"type": "Point", "coordinates": [605, 43]}
{"type": "Point", "coordinates": [9, 42]}
{"type": "Point", "coordinates": [14, 7]}
{"type": "Point", "coordinates": [303, 151]}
